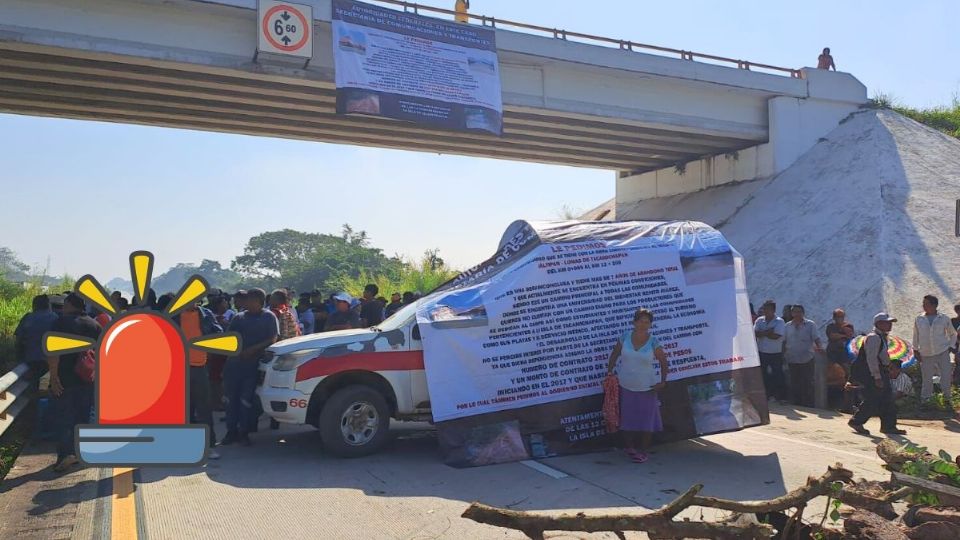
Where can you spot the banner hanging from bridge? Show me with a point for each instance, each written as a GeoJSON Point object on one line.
{"type": "Point", "coordinates": [420, 69]}
{"type": "Point", "coordinates": [515, 350]}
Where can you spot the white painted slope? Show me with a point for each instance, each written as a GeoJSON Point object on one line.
{"type": "Point", "coordinates": [864, 221]}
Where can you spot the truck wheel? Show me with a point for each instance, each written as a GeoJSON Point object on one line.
{"type": "Point", "coordinates": [355, 422]}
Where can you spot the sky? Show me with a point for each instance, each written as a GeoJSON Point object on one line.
{"type": "Point", "coordinates": [78, 196]}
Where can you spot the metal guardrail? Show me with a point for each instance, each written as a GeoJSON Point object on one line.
{"type": "Point", "coordinates": [621, 43]}
{"type": "Point", "coordinates": [13, 395]}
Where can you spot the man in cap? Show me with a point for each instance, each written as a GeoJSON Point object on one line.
{"type": "Point", "coordinates": [871, 371]}
{"type": "Point", "coordinates": [343, 318]}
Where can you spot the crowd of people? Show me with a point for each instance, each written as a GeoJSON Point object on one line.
{"type": "Point", "coordinates": [217, 382]}
{"type": "Point", "coordinates": [870, 383]}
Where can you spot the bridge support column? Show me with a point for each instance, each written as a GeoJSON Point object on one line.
{"type": "Point", "coordinates": [795, 125]}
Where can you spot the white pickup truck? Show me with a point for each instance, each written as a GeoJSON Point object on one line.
{"type": "Point", "coordinates": [349, 383]}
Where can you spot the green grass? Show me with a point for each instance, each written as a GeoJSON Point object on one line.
{"type": "Point", "coordinates": [420, 277]}
{"type": "Point", "coordinates": [945, 118]}
{"type": "Point", "coordinates": [909, 407]}
{"type": "Point", "coordinates": [15, 302]}
{"type": "Point", "coordinates": [13, 440]}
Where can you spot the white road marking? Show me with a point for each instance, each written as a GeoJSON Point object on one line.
{"type": "Point", "coordinates": [549, 471]}
{"type": "Point", "coordinates": [820, 446]}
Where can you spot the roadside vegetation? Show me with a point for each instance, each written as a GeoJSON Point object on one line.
{"type": "Point", "coordinates": [15, 300]}
{"type": "Point", "coordinates": [945, 118]}
{"type": "Point", "coordinates": [423, 276]}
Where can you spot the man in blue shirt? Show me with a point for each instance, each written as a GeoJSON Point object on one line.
{"type": "Point", "coordinates": [258, 329]}
{"type": "Point", "coordinates": [29, 337]}
{"type": "Point", "coordinates": [305, 311]}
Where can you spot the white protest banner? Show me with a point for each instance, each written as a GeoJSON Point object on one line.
{"type": "Point", "coordinates": [534, 326]}
{"type": "Point", "coordinates": [410, 67]}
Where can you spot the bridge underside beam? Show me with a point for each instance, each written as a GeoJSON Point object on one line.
{"type": "Point", "coordinates": [50, 81]}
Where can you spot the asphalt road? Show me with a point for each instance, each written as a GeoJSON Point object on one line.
{"type": "Point", "coordinates": [284, 486]}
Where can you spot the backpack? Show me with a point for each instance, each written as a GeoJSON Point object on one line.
{"type": "Point", "coordinates": [85, 368]}
{"type": "Point", "coordinates": [860, 371]}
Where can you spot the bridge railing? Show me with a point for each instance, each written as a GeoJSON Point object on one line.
{"type": "Point", "coordinates": [621, 43]}
{"type": "Point", "coordinates": [14, 395]}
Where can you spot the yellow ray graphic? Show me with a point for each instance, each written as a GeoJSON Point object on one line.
{"type": "Point", "coordinates": [141, 271]}
{"type": "Point", "coordinates": [90, 288]}
{"type": "Point", "coordinates": [220, 343]}
{"type": "Point", "coordinates": [193, 289]}
{"type": "Point", "coordinates": [55, 343]}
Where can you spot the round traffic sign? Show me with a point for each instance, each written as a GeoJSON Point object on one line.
{"type": "Point", "coordinates": [286, 28]}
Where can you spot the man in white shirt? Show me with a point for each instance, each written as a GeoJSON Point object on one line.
{"type": "Point", "coordinates": [900, 382]}
{"type": "Point", "coordinates": [800, 342]}
{"type": "Point", "coordinates": [769, 330]}
{"type": "Point", "coordinates": [933, 335]}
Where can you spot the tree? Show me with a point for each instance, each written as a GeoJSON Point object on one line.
{"type": "Point", "coordinates": [424, 276]}
{"type": "Point", "coordinates": [212, 271]}
{"type": "Point", "coordinates": [432, 258]}
{"type": "Point", "coordinates": [568, 212]}
{"type": "Point", "coordinates": [307, 261]}
{"type": "Point", "coordinates": [11, 266]}
{"type": "Point", "coordinates": [267, 255]}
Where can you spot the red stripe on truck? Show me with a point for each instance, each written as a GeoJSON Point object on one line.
{"type": "Point", "coordinates": [373, 361]}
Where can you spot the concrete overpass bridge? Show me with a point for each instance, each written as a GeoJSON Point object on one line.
{"type": "Point", "coordinates": [190, 64]}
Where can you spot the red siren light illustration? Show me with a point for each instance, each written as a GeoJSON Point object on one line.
{"type": "Point", "coordinates": [141, 383]}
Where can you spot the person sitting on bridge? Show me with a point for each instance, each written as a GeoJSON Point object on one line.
{"type": "Point", "coordinates": [825, 61]}
{"type": "Point", "coordinates": [461, 7]}
{"type": "Point", "coordinates": [343, 318]}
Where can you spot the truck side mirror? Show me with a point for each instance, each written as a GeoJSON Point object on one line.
{"type": "Point", "coordinates": [415, 333]}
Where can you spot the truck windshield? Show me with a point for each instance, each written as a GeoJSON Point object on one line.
{"type": "Point", "coordinates": [401, 317]}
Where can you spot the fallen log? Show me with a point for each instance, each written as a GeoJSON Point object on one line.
{"type": "Point", "coordinates": [815, 487]}
{"type": "Point", "coordinates": [873, 496]}
{"type": "Point", "coordinates": [865, 525]}
{"type": "Point", "coordinates": [935, 530]}
{"type": "Point", "coordinates": [948, 495]}
{"type": "Point", "coordinates": [656, 524]}
{"type": "Point", "coordinates": [894, 455]}
{"type": "Point", "coordinates": [880, 507]}
{"type": "Point", "coordinates": [938, 513]}
{"type": "Point", "coordinates": [660, 523]}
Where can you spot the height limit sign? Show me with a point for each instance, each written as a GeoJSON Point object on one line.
{"type": "Point", "coordinates": [285, 29]}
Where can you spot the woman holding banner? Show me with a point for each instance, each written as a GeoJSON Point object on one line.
{"type": "Point", "coordinates": [634, 357]}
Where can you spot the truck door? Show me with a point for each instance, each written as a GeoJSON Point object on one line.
{"type": "Point", "coordinates": [418, 378]}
